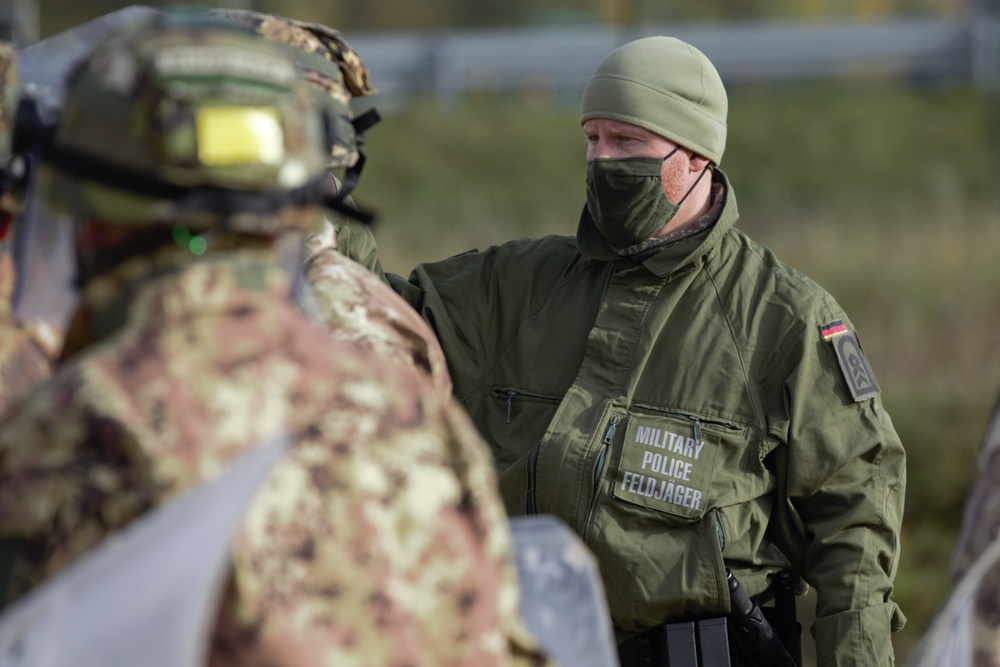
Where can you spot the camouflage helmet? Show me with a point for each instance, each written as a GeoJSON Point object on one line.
{"type": "Point", "coordinates": [10, 93]}
{"type": "Point", "coordinates": [185, 120]}
{"type": "Point", "coordinates": [327, 62]}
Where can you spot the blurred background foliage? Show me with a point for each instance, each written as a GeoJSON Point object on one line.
{"type": "Point", "coordinates": [882, 191]}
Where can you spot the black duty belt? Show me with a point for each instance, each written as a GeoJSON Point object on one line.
{"type": "Point", "coordinates": [703, 643]}
{"type": "Point", "coordinates": [749, 636]}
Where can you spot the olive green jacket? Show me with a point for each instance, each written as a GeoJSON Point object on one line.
{"type": "Point", "coordinates": [684, 415]}
{"type": "Point", "coordinates": [355, 240]}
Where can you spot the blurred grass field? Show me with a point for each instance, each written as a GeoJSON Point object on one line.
{"type": "Point", "coordinates": [882, 193]}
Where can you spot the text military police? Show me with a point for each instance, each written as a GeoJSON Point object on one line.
{"type": "Point", "coordinates": [668, 387]}
{"type": "Point", "coordinates": [187, 149]}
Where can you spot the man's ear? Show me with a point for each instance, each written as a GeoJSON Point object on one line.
{"type": "Point", "coordinates": [698, 163]}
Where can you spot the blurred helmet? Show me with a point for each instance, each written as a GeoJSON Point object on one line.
{"type": "Point", "coordinates": [186, 120]}
{"type": "Point", "coordinates": [11, 184]}
{"type": "Point", "coordinates": [9, 95]}
{"type": "Point", "coordinates": [333, 69]}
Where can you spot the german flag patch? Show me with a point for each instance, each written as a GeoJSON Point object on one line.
{"type": "Point", "coordinates": [831, 329]}
{"type": "Point", "coordinates": [853, 362]}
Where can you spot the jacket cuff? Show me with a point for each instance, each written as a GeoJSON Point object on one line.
{"type": "Point", "coordinates": [858, 638]}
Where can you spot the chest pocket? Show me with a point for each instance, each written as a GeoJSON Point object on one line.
{"type": "Point", "coordinates": [514, 420]}
{"type": "Point", "coordinates": [668, 462]}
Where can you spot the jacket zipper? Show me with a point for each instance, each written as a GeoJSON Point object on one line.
{"type": "Point", "coordinates": [697, 427]}
{"type": "Point", "coordinates": [511, 394]}
{"type": "Point", "coordinates": [510, 399]}
{"type": "Point", "coordinates": [529, 494]}
{"type": "Point", "coordinates": [697, 422]}
{"type": "Point", "coordinates": [606, 441]}
{"type": "Point", "coordinates": [609, 437]}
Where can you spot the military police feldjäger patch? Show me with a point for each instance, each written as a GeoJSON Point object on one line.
{"type": "Point", "coordinates": [853, 362]}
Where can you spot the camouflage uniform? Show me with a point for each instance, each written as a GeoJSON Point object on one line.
{"type": "Point", "coordinates": [378, 540]}
{"type": "Point", "coordinates": [336, 74]}
{"type": "Point", "coordinates": [10, 86]}
{"type": "Point", "coordinates": [360, 308]}
{"type": "Point", "coordinates": [26, 349]}
{"type": "Point", "coordinates": [346, 545]}
{"type": "Point", "coordinates": [353, 303]}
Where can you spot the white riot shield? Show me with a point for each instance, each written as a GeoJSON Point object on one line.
{"type": "Point", "coordinates": [47, 63]}
{"type": "Point", "coordinates": [562, 597]}
{"type": "Point", "coordinates": [948, 641]}
{"type": "Point", "coordinates": [991, 439]}
{"type": "Point", "coordinates": [45, 262]}
{"type": "Point", "coordinates": [43, 250]}
{"type": "Point", "coordinates": [147, 597]}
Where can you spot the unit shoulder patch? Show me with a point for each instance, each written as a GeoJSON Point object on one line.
{"type": "Point", "coordinates": [853, 362]}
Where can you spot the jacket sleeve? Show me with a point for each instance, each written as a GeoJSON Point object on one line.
{"type": "Point", "coordinates": [355, 240]}
{"type": "Point", "coordinates": [472, 301]}
{"type": "Point", "coordinates": [842, 475]}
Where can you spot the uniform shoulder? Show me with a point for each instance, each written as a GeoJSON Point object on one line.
{"type": "Point", "coordinates": [506, 262]}
{"type": "Point", "coordinates": [522, 248]}
{"type": "Point", "coordinates": [755, 271]}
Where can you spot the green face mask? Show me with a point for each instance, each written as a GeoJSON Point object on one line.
{"type": "Point", "coordinates": [625, 198]}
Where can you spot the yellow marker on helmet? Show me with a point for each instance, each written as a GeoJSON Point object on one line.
{"type": "Point", "coordinates": [239, 135]}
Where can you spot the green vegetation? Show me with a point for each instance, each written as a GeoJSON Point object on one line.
{"type": "Point", "coordinates": [884, 195]}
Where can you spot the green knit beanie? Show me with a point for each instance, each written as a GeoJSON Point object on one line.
{"type": "Point", "coordinates": [665, 86]}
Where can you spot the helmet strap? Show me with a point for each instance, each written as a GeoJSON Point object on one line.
{"type": "Point", "coordinates": [353, 173]}
{"type": "Point", "coordinates": [191, 200]}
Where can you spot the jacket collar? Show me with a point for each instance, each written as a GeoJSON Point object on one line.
{"type": "Point", "coordinates": [670, 257]}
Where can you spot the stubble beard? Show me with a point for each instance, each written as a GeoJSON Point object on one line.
{"type": "Point", "coordinates": [674, 179]}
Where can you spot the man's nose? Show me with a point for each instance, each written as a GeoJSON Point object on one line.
{"type": "Point", "coordinates": [600, 149]}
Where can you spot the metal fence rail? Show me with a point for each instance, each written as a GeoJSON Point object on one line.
{"type": "Point", "coordinates": [449, 65]}
{"type": "Point", "coordinates": [556, 61]}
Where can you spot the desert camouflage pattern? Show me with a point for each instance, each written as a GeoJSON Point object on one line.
{"type": "Point", "coordinates": [361, 309]}
{"type": "Point", "coordinates": [135, 103]}
{"type": "Point", "coordinates": [326, 61]}
{"type": "Point", "coordinates": [27, 350]}
{"type": "Point", "coordinates": [378, 540]}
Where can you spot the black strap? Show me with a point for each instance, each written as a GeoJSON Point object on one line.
{"type": "Point", "coordinates": [365, 121]}
{"type": "Point", "coordinates": [338, 205]}
{"type": "Point", "coordinates": [219, 200]}
{"type": "Point", "coordinates": [351, 176]}
{"type": "Point", "coordinates": [353, 173]}
{"type": "Point", "coordinates": [11, 549]}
